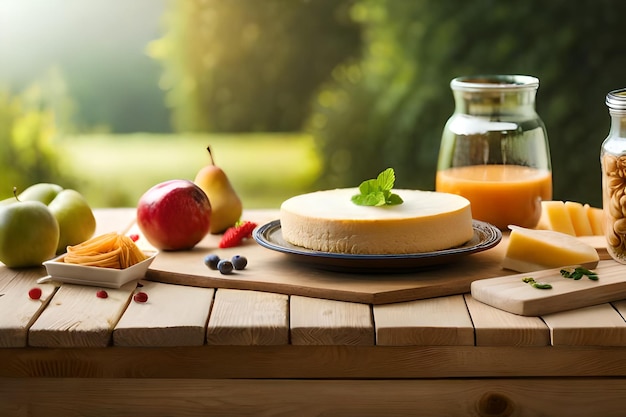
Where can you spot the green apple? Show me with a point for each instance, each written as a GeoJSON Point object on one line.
{"type": "Point", "coordinates": [43, 192]}
{"type": "Point", "coordinates": [76, 220]}
{"type": "Point", "coordinates": [29, 234]}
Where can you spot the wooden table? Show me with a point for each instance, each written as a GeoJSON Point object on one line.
{"type": "Point", "coordinates": [239, 352]}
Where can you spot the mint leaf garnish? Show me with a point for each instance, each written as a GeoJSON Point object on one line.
{"type": "Point", "coordinates": [394, 199]}
{"type": "Point", "coordinates": [377, 192]}
{"type": "Point", "coordinates": [386, 179]}
{"type": "Point", "coordinates": [372, 199]}
{"type": "Point", "coordinates": [369, 187]}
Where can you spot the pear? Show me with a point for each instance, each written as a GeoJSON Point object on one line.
{"type": "Point", "coordinates": [76, 220]}
{"type": "Point", "coordinates": [226, 206]}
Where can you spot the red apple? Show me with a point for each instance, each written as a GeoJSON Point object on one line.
{"type": "Point", "coordinates": [174, 215]}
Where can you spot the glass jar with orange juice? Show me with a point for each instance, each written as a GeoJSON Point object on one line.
{"type": "Point", "coordinates": [494, 150]}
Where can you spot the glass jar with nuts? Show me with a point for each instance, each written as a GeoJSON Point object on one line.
{"type": "Point", "coordinates": [613, 161]}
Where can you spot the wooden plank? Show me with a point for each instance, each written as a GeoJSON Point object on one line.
{"type": "Point", "coordinates": [511, 294]}
{"type": "Point", "coordinates": [174, 315]}
{"type": "Point", "coordinates": [315, 321]}
{"type": "Point", "coordinates": [495, 327]}
{"type": "Point", "coordinates": [329, 361]}
{"type": "Point", "coordinates": [75, 317]}
{"type": "Point", "coordinates": [192, 397]}
{"type": "Point", "coordinates": [248, 318]}
{"type": "Point", "coordinates": [17, 310]}
{"type": "Point", "coordinates": [598, 325]}
{"type": "Point", "coordinates": [620, 306]}
{"type": "Point", "coordinates": [6, 275]}
{"type": "Point", "coordinates": [431, 322]}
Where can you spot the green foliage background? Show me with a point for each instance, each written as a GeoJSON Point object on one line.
{"type": "Point", "coordinates": [27, 129]}
{"type": "Point", "coordinates": [390, 108]}
{"type": "Point", "coordinates": [244, 66]}
{"type": "Point", "coordinates": [367, 79]}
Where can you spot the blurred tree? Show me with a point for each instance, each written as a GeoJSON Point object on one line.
{"type": "Point", "coordinates": [27, 153]}
{"type": "Point", "coordinates": [389, 108]}
{"type": "Point", "coordinates": [249, 65]}
{"type": "Point", "coordinates": [51, 92]}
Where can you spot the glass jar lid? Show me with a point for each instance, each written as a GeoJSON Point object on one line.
{"type": "Point", "coordinates": [616, 100]}
{"type": "Point", "coordinates": [494, 83]}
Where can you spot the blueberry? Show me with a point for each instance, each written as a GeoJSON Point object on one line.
{"type": "Point", "coordinates": [211, 261]}
{"type": "Point", "coordinates": [225, 266]}
{"type": "Point", "coordinates": [239, 262]}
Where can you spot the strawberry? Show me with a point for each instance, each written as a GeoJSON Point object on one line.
{"type": "Point", "coordinates": [234, 235]}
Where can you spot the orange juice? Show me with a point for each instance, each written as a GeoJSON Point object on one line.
{"type": "Point", "coordinates": [500, 194]}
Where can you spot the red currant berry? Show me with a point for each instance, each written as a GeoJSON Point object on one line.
{"type": "Point", "coordinates": [140, 297]}
{"type": "Point", "coordinates": [102, 294]}
{"type": "Point", "coordinates": [35, 293]}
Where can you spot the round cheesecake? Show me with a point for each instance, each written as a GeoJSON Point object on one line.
{"type": "Point", "coordinates": [329, 221]}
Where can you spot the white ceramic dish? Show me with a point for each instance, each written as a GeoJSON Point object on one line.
{"type": "Point", "coordinates": [95, 276]}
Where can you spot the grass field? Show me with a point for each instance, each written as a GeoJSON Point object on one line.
{"type": "Point", "coordinates": [115, 170]}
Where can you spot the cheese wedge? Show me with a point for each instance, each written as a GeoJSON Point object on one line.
{"type": "Point", "coordinates": [579, 219]}
{"type": "Point", "coordinates": [596, 219]}
{"type": "Point", "coordinates": [554, 216]}
{"type": "Point", "coordinates": [533, 250]}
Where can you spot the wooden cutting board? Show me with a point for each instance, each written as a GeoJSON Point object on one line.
{"type": "Point", "coordinates": [276, 272]}
{"type": "Point", "coordinates": [512, 294]}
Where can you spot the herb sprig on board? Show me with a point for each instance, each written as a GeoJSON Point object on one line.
{"type": "Point", "coordinates": [579, 272]}
{"type": "Point", "coordinates": [538, 285]}
{"type": "Point", "coordinates": [571, 273]}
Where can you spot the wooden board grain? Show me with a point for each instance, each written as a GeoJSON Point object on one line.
{"type": "Point", "coordinates": [76, 317]}
{"type": "Point", "coordinates": [511, 294]}
{"type": "Point", "coordinates": [597, 325]}
{"type": "Point", "coordinates": [17, 310]}
{"type": "Point", "coordinates": [316, 321]}
{"type": "Point", "coordinates": [271, 271]}
{"type": "Point", "coordinates": [495, 327]}
{"type": "Point", "coordinates": [174, 315]}
{"type": "Point", "coordinates": [247, 318]}
{"type": "Point", "coordinates": [185, 397]}
{"type": "Point", "coordinates": [432, 322]}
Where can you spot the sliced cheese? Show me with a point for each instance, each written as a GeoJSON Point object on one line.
{"type": "Point", "coordinates": [554, 216]}
{"type": "Point", "coordinates": [533, 250]}
{"type": "Point", "coordinates": [579, 219]}
{"type": "Point", "coordinates": [571, 218]}
{"type": "Point", "coordinates": [596, 219]}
